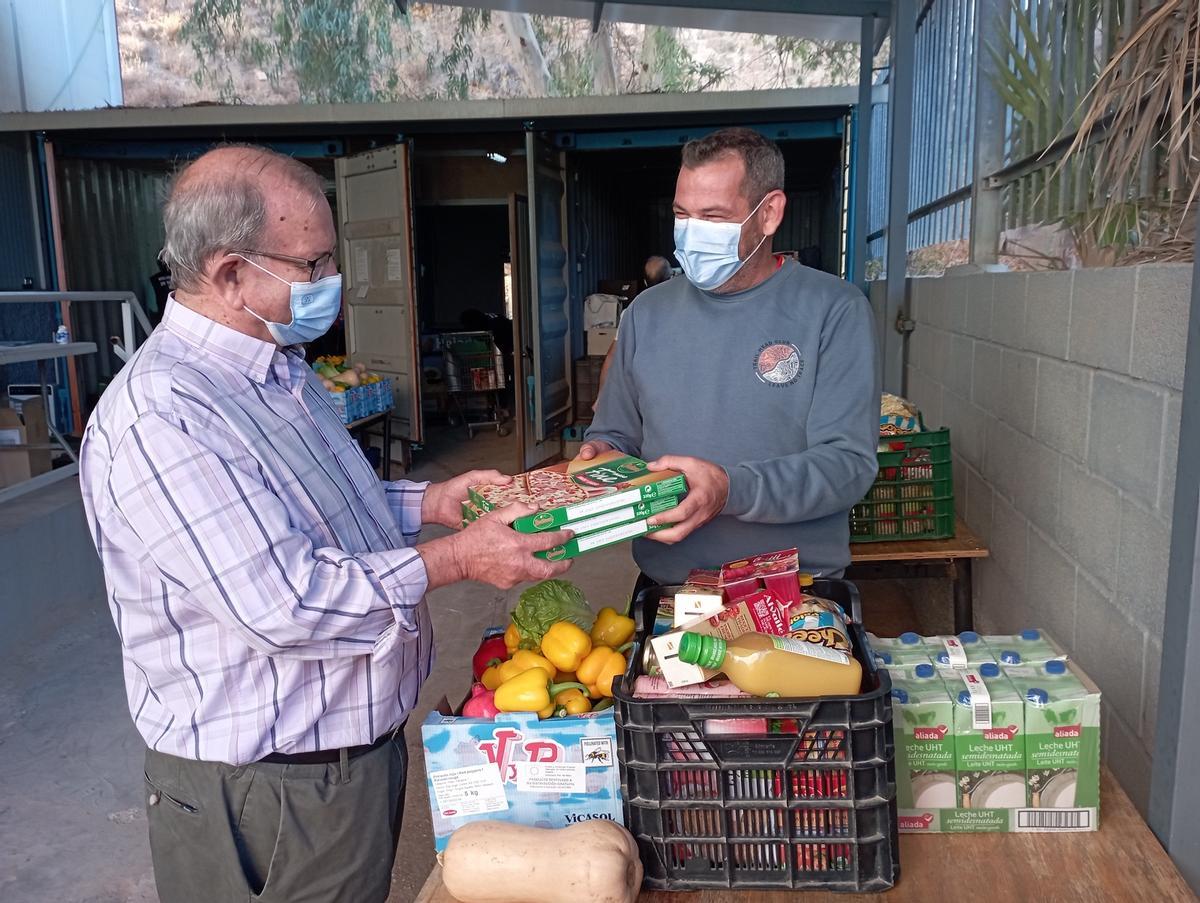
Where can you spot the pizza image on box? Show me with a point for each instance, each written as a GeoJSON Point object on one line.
{"type": "Point", "coordinates": [572, 491]}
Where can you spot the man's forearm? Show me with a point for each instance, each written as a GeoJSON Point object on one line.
{"type": "Point", "coordinates": [443, 561]}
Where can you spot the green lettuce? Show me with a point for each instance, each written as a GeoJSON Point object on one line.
{"type": "Point", "coordinates": [545, 604]}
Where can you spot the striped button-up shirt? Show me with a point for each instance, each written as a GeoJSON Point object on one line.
{"type": "Point", "coordinates": [262, 578]}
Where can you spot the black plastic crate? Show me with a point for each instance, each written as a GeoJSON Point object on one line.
{"type": "Point", "coordinates": [800, 797]}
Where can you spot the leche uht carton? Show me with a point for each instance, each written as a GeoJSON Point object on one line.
{"type": "Point", "coordinates": [924, 733]}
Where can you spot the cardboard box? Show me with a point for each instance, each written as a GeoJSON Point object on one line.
{"type": "Point", "coordinates": [572, 491]}
{"type": "Point", "coordinates": [26, 428]}
{"type": "Point", "coordinates": [600, 340]}
{"type": "Point", "coordinates": [1048, 711]}
{"type": "Point", "coordinates": [599, 540]}
{"type": "Point", "coordinates": [543, 774]}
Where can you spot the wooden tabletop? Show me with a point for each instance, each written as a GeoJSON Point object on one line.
{"type": "Point", "coordinates": [965, 544]}
{"type": "Point", "coordinates": [1121, 862]}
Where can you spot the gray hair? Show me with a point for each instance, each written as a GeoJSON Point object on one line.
{"type": "Point", "coordinates": [761, 156]}
{"type": "Point", "coordinates": [210, 211]}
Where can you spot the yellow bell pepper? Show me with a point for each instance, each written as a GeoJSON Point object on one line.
{"type": "Point", "coordinates": [599, 669]}
{"type": "Point", "coordinates": [529, 691]}
{"type": "Point", "coordinates": [492, 677]}
{"type": "Point", "coordinates": [612, 628]}
{"type": "Point", "coordinates": [571, 702]}
{"type": "Point", "coordinates": [522, 662]}
{"type": "Point", "coordinates": [566, 645]}
{"type": "Point", "coordinates": [512, 639]}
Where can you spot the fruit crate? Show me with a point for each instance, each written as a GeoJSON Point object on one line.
{"type": "Point", "coordinates": [913, 494]}
{"type": "Point", "coordinates": [771, 794]}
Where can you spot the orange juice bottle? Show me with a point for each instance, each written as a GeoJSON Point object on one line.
{"type": "Point", "coordinates": [764, 665]}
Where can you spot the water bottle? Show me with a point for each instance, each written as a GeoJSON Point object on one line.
{"type": "Point", "coordinates": [61, 337]}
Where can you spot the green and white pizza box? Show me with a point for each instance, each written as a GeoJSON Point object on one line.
{"type": "Point", "coordinates": [590, 542]}
{"type": "Point", "coordinates": [605, 521]}
{"type": "Point", "coordinates": [607, 482]}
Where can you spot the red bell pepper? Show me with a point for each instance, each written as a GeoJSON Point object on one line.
{"type": "Point", "coordinates": [491, 651]}
{"type": "Point", "coordinates": [482, 703]}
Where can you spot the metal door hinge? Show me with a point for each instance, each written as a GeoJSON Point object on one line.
{"type": "Point", "coordinates": [904, 325]}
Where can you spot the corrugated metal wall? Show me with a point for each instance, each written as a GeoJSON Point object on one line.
{"type": "Point", "coordinates": [20, 256]}
{"type": "Point", "coordinates": [111, 236]}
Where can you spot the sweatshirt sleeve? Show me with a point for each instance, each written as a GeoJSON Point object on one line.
{"type": "Point", "coordinates": [618, 417]}
{"type": "Point", "coordinates": [837, 468]}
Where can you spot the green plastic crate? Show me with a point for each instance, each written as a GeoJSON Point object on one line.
{"type": "Point", "coordinates": [913, 495]}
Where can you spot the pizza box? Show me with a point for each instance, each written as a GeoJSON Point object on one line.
{"type": "Point", "coordinates": [573, 491]}
{"type": "Point", "coordinates": [615, 518]}
{"type": "Point", "coordinates": [590, 542]}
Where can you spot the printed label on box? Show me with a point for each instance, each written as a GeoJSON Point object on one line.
{"type": "Point", "coordinates": [597, 752]}
{"type": "Point", "coordinates": [475, 790]}
{"type": "Point", "coordinates": [551, 777]}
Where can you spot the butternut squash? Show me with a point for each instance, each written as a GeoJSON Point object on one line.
{"type": "Point", "coordinates": [497, 862]}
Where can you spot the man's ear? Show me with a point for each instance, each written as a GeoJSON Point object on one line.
{"type": "Point", "coordinates": [772, 212]}
{"type": "Point", "coordinates": [225, 277]}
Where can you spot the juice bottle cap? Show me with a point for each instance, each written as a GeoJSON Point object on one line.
{"type": "Point", "coordinates": [989, 669]}
{"type": "Point", "coordinates": [1009, 657]}
{"type": "Point", "coordinates": [1056, 667]}
{"type": "Point", "coordinates": [901, 696]}
{"type": "Point", "coordinates": [1031, 634]}
{"type": "Point", "coordinates": [924, 671]}
{"type": "Point", "coordinates": [1037, 696]}
{"type": "Point", "coordinates": [909, 638]}
{"type": "Point", "coordinates": [969, 636]}
{"type": "Point", "coordinates": [705, 651]}
{"type": "Point", "coordinates": [805, 579]}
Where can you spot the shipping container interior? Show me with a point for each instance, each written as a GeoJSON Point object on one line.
{"type": "Point", "coordinates": [465, 183]}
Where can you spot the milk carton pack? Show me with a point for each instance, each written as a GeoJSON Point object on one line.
{"type": "Point", "coordinates": [967, 650]}
{"type": "Point", "coordinates": [923, 723]}
{"type": "Point", "coordinates": [544, 774]}
{"type": "Point", "coordinates": [990, 754]}
{"type": "Point", "coordinates": [1029, 647]}
{"type": "Point", "coordinates": [1062, 746]}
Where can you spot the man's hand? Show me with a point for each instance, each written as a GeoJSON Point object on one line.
{"type": "Point", "coordinates": [708, 490]}
{"type": "Point", "coordinates": [591, 449]}
{"type": "Point", "coordinates": [443, 501]}
{"type": "Point", "coordinates": [491, 551]}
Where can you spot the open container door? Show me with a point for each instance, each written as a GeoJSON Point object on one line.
{"type": "Point", "coordinates": [375, 232]}
{"type": "Point", "coordinates": [549, 317]}
{"type": "Point", "coordinates": [530, 451]}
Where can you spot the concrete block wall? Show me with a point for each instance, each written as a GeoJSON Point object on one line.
{"type": "Point", "coordinates": [1063, 394]}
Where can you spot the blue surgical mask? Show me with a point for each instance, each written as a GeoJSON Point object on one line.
{"type": "Point", "coordinates": [708, 251]}
{"type": "Point", "coordinates": [315, 305]}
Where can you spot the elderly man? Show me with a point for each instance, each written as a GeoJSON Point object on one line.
{"type": "Point", "coordinates": [268, 590]}
{"type": "Point", "coordinates": [755, 376]}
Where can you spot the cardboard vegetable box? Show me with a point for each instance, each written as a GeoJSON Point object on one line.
{"type": "Point", "coordinates": [543, 774]}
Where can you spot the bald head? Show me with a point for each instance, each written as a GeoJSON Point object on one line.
{"type": "Point", "coordinates": [656, 270]}
{"type": "Point", "coordinates": [236, 196]}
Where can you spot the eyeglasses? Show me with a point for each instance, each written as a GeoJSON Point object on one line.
{"type": "Point", "coordinates": [326, 264]}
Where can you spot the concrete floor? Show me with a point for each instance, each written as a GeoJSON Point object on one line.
{"type": "Point", "coordinates": [72, 825]}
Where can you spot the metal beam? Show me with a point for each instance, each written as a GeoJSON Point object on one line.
{"type": "Point", "coordinates": [991, 18]}
{"type": "Point", "coordinates": [413, 114]}
{"type": "Point", "coordinates": [900, 111]}
{"type": "Point", "coordinates": [1175, 781]}
{"type": "Point", "coordinates": [862, 156]}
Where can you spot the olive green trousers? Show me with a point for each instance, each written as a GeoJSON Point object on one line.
{"type": "Point", "coordinates": [276, 833]}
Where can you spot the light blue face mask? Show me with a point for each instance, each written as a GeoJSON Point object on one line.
{"type": "Point", "coordinates": [314, 305]}
{"type": "Point", "coordinates": [708, 251]}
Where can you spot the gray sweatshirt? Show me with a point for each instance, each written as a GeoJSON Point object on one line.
{"type": "Point", "coordinates": [777, 384]}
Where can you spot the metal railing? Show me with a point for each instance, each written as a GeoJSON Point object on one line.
{"type": "Point", "coordinates": [1043, 56]}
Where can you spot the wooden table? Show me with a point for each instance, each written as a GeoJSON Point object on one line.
{"type": "Point", "coordinates": [950, 558]}
{"type": "Point", "coordinates": [1122, 862]}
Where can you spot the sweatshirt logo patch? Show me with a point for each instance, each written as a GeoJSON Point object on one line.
{"type": "Point", "coordinates": [778, 363]}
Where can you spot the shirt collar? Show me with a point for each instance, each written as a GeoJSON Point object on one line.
{"type": "Point", "coordinates": [244, 353]}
